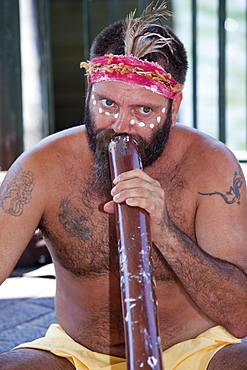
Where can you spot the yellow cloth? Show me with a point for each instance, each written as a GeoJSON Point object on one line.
{"type": "Point", "coordinates": [191, 354]}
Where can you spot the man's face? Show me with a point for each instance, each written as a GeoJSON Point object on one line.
{"type": "Point", "coordinates": [115, 107]}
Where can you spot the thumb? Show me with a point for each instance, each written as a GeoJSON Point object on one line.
{"type": "Point", "coordinates": [109, 207]}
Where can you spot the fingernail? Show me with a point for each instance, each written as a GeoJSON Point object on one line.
{"type": "Point", "coordinates": [116, 180]}
{"type": "Point", "coordinates": [113, 191]}
{"type": "Point", "coordinates": [116, 197]}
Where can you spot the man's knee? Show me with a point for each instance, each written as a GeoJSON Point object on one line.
{"type": "Point", "coordinates": [25, 359]}
{"type": "Point", "coordinates": [233, 356]}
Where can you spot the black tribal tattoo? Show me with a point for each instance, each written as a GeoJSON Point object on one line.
{"type": "Point", "coordinates": [233, 194]}
{"type": "Point", "coordinates": [73, 223]}
{"type": "Point", "coordinates": [16, 192]}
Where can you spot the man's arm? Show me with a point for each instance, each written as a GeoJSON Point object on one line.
{"type": "Point", "coordinates": [218, 287]}
{"type": "Point", "coordinates": [212, 269]}
{"type": "Point", "coordinates": [216, 266]}
{"type": "Point", "coordinates": [21, 206]}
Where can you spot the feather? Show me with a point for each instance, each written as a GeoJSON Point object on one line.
{"type": "Point", "coordinates": [138, 41]}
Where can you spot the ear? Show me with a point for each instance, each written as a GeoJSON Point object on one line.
{"type": "Point", "coordinates": [175, 107]}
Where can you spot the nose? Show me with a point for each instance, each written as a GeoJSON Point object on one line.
{"type": "Point", "coordinates": [122, 122]}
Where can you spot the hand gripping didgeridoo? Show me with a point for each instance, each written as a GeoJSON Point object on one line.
{"type": "Point", "coordinates": [139, 302]}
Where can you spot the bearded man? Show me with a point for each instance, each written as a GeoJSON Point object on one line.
{"type": "Point", "coordinates": [192, 188]}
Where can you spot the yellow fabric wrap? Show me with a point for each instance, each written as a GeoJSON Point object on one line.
{"type": "Point", "coordinates": [191, 354]}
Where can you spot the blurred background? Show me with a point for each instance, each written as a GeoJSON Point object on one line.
{"type": "Point", "coordinates": [42, 89]}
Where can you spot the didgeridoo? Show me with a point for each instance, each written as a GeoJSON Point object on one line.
{"type": "Point", "coordinates": [139, 302]}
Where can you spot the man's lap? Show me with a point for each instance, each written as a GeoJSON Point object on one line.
{"type": "Point", "coordinates": [192, 354]}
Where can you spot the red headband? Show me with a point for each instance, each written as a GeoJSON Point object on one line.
{"type": "Point", "coordinates": [132, 70]}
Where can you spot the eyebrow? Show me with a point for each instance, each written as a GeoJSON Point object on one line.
{"type": "Point", "coordinates": [100, 96]}
{"type": "Point", "coordinates": [149, 105]}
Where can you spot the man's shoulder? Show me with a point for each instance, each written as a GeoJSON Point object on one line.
{"type": "Point", "coordinates": [201, 154]}
{"type": "Point", "coordinates": [201, 144]}
{"type": "Point", "coordinates": [73, 134]}
{"type": "Point", "coordinates": [191, 134]}
{"type": "Point", "coordinates": [56, 151]}
{"type": "Point", "coordinates": [69, 141]}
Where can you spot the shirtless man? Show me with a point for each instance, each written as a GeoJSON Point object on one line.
{"type": "Point", "coordinates": [192, 187]}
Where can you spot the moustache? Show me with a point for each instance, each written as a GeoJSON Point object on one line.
{"type": "Point", "coordinates": [104, 136]}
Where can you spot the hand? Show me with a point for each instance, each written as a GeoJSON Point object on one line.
{"type": "Point", "coordinates": [137, 189]}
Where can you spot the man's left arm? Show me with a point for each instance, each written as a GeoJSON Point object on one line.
{"type": "Point", "coordinates": [221, 231]}
{"type": "Point", "coordinates": [213, 268]}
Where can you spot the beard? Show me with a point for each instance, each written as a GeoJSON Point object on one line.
{"type": "Point", "coordinates": [149, 150]}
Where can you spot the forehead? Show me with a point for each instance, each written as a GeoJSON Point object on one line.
{"type": "Point", "coordinates": [120, 91]}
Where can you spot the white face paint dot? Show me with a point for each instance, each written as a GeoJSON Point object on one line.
{"type": "Point", "coordinates": [163, 110]}
{"type": "Point", "coordinates": [158, 119]}
{"type": "Point", "coordinates": [107, 113]}
{"type": "Point", "coordinates": [94, 102]}
{"type": "Point", "coordinates": [93, 97]}
{"type": "Point", "coordinates": [151, 125]}
{"type": "Point", "coordinates": [100, 110]}
{"type": "Point", "coordinates": [116, 115]}
{"type": "Point", "coordinates": [141, 124]}
{"type": "Point", "coordinates": [132, 122]}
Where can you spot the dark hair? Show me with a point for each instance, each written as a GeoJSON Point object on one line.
{"type": "Point", "coordinates": [173, 57]}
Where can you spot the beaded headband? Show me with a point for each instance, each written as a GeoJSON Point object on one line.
{"type": "Point", "coordinates": [132, 70]}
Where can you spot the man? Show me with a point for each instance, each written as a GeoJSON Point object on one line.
{"type": "Point", "coordinates": [192, 187]}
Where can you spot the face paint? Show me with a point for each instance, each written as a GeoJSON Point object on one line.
{"type": "Point", "coordinates": [141, 124]}
{"type": "Point", "coordinates": [150, 149]}
{"type": "Point", "coordinates": [145, 117]}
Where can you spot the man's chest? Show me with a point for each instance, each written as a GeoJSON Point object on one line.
{"type": "Point", "coordinates": [82, 237]}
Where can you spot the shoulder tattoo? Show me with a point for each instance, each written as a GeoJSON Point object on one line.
{"type": "Point", "coordinates": [233, 194]}
{"type": "Point", "coordinates": [16, 192]}
{"type": "Point", "coordinates": [72, 222]}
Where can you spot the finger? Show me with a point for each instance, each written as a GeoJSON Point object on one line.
{"type": "Point", "coordinates": [127, 179]}
{"type": "Point", "coordinates": [121, 194]}
{"type": "Point", "coordinates": [136, 188]}
{"type": "Point", "coordinates": [154, 209]}
{"type": "Point", "coordinates": [142, 198]}
{"type": "Point", "coordinates": [132, 174]}
{"type": "Point", "coordinates": [109, 207]}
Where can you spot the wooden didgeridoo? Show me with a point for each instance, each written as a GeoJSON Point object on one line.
{"type": "Point", "coordinates": [139, 302]}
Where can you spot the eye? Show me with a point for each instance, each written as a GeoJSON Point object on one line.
{"type": "Point", "coordinates": [107, 103]}
{"type": "Point", "coordinates": [145, 110]}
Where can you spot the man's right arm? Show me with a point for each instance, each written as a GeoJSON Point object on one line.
{"type": "Point", "coordinates": [22, 201]}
